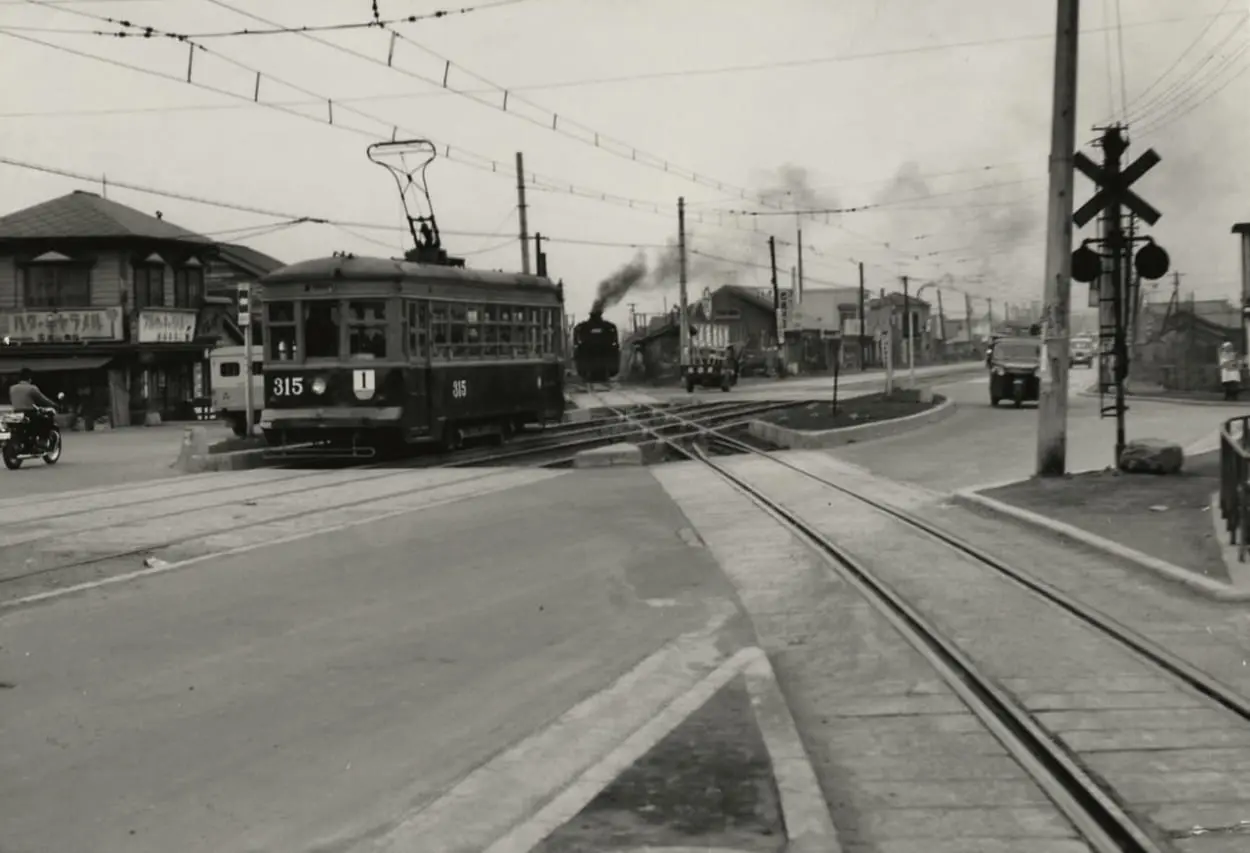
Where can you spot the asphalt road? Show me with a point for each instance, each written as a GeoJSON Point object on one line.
{"type": "Point", "coordinates": [980, 444]}
{"type": "Point", "coordinates": [104, 458]}
{"type": "Point", "coordinates": [306, 695]}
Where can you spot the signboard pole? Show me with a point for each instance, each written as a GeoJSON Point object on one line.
{"type": "Point", "coordinates": [245, 320]}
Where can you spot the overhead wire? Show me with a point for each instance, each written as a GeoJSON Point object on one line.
{"type": "Point", "coordinates": [1150, 107]}
{"type": "Point", "coordinates": [550, 120]}
{"type": "Point", "coordinates": [1159, 79]}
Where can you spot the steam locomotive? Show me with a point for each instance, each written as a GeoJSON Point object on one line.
{"type": "Point", "coordinates": [596, 349]}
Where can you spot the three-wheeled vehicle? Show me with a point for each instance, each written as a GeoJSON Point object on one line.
{"type": "Point", "coordinates": [1014, 363]}
{"type": "Point", "coordinates": [711, 367]}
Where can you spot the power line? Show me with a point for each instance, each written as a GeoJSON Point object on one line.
{"type": "Point", "coordinates": [461, 155]}
{"type": "Point", "coordinates": [132, 30]}
{"type": "Point", "coordinates": [1150, 88]}
{"type": "Point", "coordinates": [1144, 109]}
{"type": "Point", "coordinates": [1163, 121]}
{"type": "Point", "coordinates": [551, 119]}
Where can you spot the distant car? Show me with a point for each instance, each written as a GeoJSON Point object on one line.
{"type": "Point", "coordinates": [1082, 353]}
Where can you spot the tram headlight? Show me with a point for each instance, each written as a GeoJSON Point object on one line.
{"type": "Point", "coordinates": [319, 385]}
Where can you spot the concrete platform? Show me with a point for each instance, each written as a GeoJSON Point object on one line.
{"type": "Point", "coordinates": [612, 455]}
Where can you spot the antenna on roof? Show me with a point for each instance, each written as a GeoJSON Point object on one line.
{"type": "Point", "coordinates": [428, 244]}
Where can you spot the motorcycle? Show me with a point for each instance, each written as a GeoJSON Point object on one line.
{"type": "Point", "coordinates": [17, 443]}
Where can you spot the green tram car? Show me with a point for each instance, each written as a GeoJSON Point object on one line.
{"type": "Point", "coordinates": [367, 355]}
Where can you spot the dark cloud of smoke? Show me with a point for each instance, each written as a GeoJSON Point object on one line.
{"type": "Point", "coordinates": [663, 274]}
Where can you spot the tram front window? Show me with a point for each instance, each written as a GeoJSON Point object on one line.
{"type": "Point", "coordinates": [321, 329]}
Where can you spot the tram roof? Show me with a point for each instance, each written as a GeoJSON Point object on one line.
{"type": "Point", "coordinates": [367, 269]}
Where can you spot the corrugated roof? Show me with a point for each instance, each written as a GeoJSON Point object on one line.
{"type": "Point", "coordinates": [85, 215]}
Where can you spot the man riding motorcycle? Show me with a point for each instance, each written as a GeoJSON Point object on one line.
{"type": "Point", "coordinates": [27, 399]}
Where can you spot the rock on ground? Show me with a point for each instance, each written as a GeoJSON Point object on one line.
{"type": "Point", "coordinates": [1152, 456]}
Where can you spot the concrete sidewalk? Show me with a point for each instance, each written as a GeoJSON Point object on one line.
{"type": "Point", "coordinates": [105, 458]}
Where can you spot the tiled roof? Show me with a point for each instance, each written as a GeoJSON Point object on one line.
{"type": "Point", "coordinates": [84, 215]}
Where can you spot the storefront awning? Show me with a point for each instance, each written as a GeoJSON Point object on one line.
{"type": "Point", "coordinates": [53, 365]}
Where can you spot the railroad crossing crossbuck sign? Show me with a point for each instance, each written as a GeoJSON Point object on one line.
{"type": "Point", "coordinates": [1116, 188]}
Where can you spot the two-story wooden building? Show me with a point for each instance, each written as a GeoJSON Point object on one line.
{"type": "Point", "coordinates": [106, 304]}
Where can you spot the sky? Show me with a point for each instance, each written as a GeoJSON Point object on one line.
{"type": "Point", "coordinates": [926, 121]}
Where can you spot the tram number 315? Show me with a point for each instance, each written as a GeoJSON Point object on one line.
{"type": "Point", "coordinates": [288, 386]}
{"type": "Point", "coordinates": [459, 388]}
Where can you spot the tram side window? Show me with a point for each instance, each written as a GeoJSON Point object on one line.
{"type": "Point", "coordinates": [416, 334]}
{"type": "Point", "coordinates": [472, 346]}
{"type": "Point", "coordinates": [517, 335]}
{"type": "Point", "coordinates": [491, 343]}
{"type": "Point", "coordinates": [548, 331]}
{"type": "Point", "coordinates": [366, 328]}
{"type": "Point", "coordinates": [440, 329]}
{"type": "Point", "coordinates": [532, 329]}
{"type": "Point", "coordinates": [321, 328]}
{"type": "Point", "coordinates": [280, 331]}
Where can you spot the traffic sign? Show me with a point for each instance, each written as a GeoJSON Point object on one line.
{"type": "Point", "coordinates": [1113, 188]}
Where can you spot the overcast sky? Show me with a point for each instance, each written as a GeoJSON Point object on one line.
{"type": "Point", "coordinates": [932, 114]}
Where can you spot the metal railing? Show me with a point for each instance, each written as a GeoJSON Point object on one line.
{"type": "Point", "coordinates": [1234, 477]}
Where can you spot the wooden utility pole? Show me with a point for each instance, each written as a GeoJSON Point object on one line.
{"type": "Point", "coordinates": [863, 355]}
{"type": "Point", "coordinates": [1052, 425]}
{"type": "Point", "coordinates": [772, 264]}
{"type": "Point", "coordinates": [520, 204]}
{"type": "Point", "coordinates": [968, 315]}
{"type": "Point", "coordinates": [941, 335]}
{"type": "Point", "coordinates": [799, 295]}
{"type": "Point", "coordinates": [908, 334]}
{"type": "Point", "coordinates": [683, 313]}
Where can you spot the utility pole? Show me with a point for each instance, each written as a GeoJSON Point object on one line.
{"type": "Point", "coordinates": [968, 315]}
{"type": "Point", "coordinates": [863, 355]}
{"type": "Point", "coordinates": [683, 313]}
{"type": "Point", "coordinates": [907, 334]}
{"type": "Point", "coordinates": [799, 296]}
{"type": "Point", "coordinates": [540, 257]}
{"type": "Point", "coordinates": [1052, 426]}
{"type": "Point", "coordinates": [245, 322]}
{"type": "Point", "coordinates": [989, 314]}
{"type": "Point", "coordinates": [520, 203]}
{"type": "Point", "coordinates": [941, 323]}
{"type": "Point", "coordinates": [772, 264]}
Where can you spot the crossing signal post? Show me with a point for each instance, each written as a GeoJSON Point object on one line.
{"type": "Point", "coordinates": [1108, 269]}
{"type": "Point", "coordinates": [245, 323]}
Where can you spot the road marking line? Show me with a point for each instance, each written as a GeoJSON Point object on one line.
{"type": "Point", "coordinates": [502, 793]}
{"type": "Point", "coordinates": [254, 546]}
{"type": "Point", "coordinates": [574, 798]}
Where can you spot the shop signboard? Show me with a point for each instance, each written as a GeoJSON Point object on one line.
{"type": "Point", "coordinates": [72, 325]}
{"type": "Point", "coordinates": [167, 325]}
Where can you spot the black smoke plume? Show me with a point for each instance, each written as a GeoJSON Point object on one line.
{"type": "Point", "coordinates": [663, 274]}
{"type": "Point", "coordinates": [613, 288]}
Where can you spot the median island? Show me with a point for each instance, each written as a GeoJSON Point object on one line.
{"type": "Point", "coordinates": [859, 418]}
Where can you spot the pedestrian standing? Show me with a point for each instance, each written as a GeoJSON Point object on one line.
{"type": "Point", "coordinates": [1230, 370]}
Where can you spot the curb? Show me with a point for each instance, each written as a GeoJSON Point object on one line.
{"type": "Point", "coordinates": [1168, 571]}
{"type": "Point", "coordinates": [809, 827]}
{"type": "Point", "coordinates": [1155, 398]}
{"type": "Point", "coordinates": [797, 439]}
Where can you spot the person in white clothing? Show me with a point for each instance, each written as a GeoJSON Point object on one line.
{"type": "Point", "coordinates": [1230, 370]}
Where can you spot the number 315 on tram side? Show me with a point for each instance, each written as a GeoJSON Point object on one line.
{"type": "Point", "coordinates": [370, 354]}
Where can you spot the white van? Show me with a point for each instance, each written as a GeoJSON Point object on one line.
{"type": "Point", "coordinates": [229, 393]}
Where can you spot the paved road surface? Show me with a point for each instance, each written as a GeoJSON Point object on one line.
{"type": "Point", "coordinates": [980, 444]}
{"type": "Point", "coordinates": [104, 458]}
{"type": "Point", "coordinates": [314, 692]}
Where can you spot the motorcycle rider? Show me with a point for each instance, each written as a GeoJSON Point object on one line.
{"type": "Point", "coordinates": [25, 397]}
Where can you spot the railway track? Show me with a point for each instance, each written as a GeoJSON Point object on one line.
{"type": "Point", "coordinates": [1088, 799]}
{"type": "Point", "coordinates": [239, 508]}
